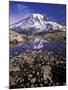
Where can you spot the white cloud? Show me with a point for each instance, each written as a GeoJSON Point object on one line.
{"type": "Point", "coordinates": [21, 7]}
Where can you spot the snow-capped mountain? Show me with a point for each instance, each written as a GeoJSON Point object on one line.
{"type": "Point", "coordinates": [36, 23]}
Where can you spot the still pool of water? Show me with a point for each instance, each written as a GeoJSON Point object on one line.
{"type": "Point", "coordinates": [57, 47]}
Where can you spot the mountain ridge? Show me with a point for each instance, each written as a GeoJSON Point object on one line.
{"type": "Point", "coordinates": [38, 23]}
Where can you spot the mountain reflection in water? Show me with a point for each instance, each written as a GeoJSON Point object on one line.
{"type": "Point", "coordinates": [57, 47]}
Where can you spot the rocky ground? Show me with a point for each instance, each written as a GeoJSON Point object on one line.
{"type": "Point", "coordinates": [37, 69]}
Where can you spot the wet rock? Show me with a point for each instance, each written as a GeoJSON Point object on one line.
{"type": "Point", "coordinates": [41, 85]}
{"type": "Point", "coordinates": [42, 69]}
{"type": "Point", "coordinates": [33, 80]}
{"type": "Point", "coordinates": [30, 75]}
{"type": "Point", "coordinates": [38, 73]}
{"type": "Point", "coordinates": [59, 73]}
{"type": "Point", "coordinates": [33, 72]}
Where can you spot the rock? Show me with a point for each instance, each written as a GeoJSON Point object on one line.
{"type": "Point", "coordinates": [29, 79]}
{"type": "Point", "coordinates": [27, 84]}
{"type": "Point", "coordinates": [23, 80]}
{"type": "Point", "coordinates": [37, 73]}
{"type": "Point", "coordinates": [30, 75]}
{"type": "Point", "coordinates": [45, 82]}
{"type": "Point", "coordinates": [31, 66]}
{"type": "Point", "coordinates": [36, 85]}
{"type": "Point", "coordinates": [25, 69]}
{"type": "Point", "coordinates": [41, 85]}
{"type": "Point", "coordinates": [40, 72]}
{"type": "Point", "coordinates": [32, 85]}
{"type": "Point", "coordinates": [22, 85]}
{"type": "Point", "coordinates": [33, 80]}
{"type": "Point", "coordinates": [46, 69]}
{"type": "Point", "coordinates": [33, 72]}
{"type": "Point", "coordinates": [45, 77]}
{"type": "Point", "coordinates": [39, 80]}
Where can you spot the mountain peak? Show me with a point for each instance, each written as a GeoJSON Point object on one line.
{"type": "Point", "coordinates": [37, 15]}
{"type": "Point", "coordinates": [38, 23]}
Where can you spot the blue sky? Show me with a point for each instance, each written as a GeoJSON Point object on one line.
{"type": "Point", "coordinates": [20, 10]}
